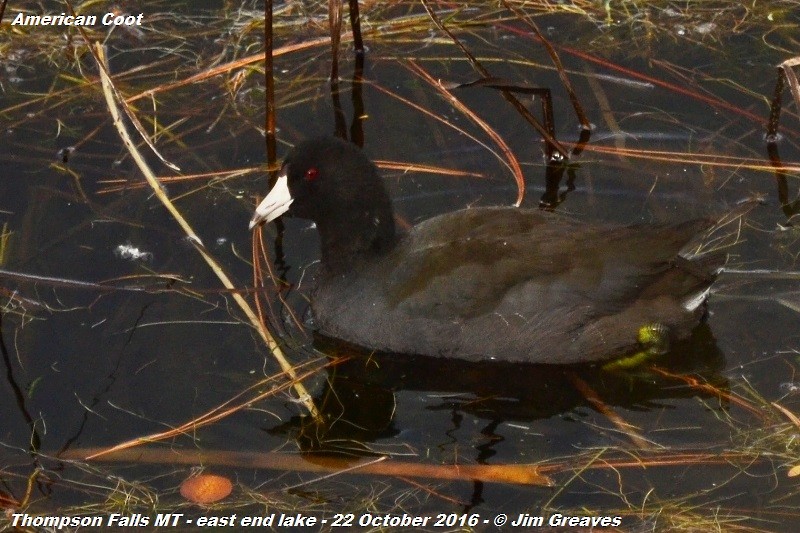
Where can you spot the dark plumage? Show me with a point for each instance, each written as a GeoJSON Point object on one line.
{"type": "Point", "coordinates": [498, 283]}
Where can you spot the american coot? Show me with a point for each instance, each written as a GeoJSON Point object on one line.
{"type": "Point", "coordinates": [489, 283]}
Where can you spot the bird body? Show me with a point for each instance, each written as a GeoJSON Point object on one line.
{"type": "Point", "coordinates": [488, 283]}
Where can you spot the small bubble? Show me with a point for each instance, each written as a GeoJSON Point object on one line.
{"type": "Point", "coordinates": [65, 153]}
{"type": "Point", "coordinates": [705, 29]}
{"type": "Point", "coordinates": [132, 253]}
{"type": "Point", "coordinates": [773, 139]}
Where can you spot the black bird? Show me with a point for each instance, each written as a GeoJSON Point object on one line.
{"type": "Point", "coordinates": [489, 283]}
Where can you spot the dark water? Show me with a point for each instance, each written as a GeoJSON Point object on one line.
{"type": "Point", "coordinates": [88, 366]}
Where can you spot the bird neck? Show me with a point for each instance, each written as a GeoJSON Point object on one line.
{"type": "Point", "coordinates": [353, 238]}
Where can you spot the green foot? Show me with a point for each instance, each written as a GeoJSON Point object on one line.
{"type": "Point", "coordinates": [654, 339]}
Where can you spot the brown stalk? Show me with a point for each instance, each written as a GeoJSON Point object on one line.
{"type": "Point", "coordinates": [793, 418]}
{"type": "Point", "coordinates": [524, 474]}
{"type": "Point", "coordinates": [573, 97]}
{"type": "Point", "coordinates": [660, 459]}
{"type": "Point", "coordinates": [510, 98]}
{"type": "Point", "coordinates": [784, 72]}
{"type": "Point", "coordinates": [216, 176]}
{"type": "Point", "coordinates": [269, 86]}
{"type": "Point", "coordinates": [429, 169]}
{"type": "Point", "coordinates": [229, 407]}
{"type": "Point", "coordinates": [434, 493]}
{"type": "Point", "coordinates": [125, 106]}
{"type": "Point", "coordinates": [355, 26]}
{"type": "Point", "coordinates": [629, 430]}
{"type": "Point", "coordinates": [443, 120]}
{"type": "Point", "coordinates": [715, 160]}
{"type": "Point", "coordinates": [109, 93]}
{"type": "Point", "coordinates": [335, 26]}
{"type": "Point", "coordinates": [227, 67]}
{"type": "Point", "coordinates": [712, 390]}
{"type": "Point", "coordinates": [260, 255]}
{"type": "Point", "coordinates": [512, 160]}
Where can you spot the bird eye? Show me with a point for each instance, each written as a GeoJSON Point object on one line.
{"type": "Point", "coordinates": [312, 174]}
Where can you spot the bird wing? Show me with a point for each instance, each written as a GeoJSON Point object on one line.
{"type": "Point", "coordinates": [477, 261]}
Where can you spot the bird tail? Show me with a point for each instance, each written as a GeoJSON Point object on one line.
{"type": "Point", "coordinates": [706, 254]}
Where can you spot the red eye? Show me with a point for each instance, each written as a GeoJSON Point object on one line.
{"type": "Point", "coordinates": [312, 174]}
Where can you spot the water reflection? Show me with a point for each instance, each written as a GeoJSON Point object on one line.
{"type": "Point", "coordinates": [359, 398]}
